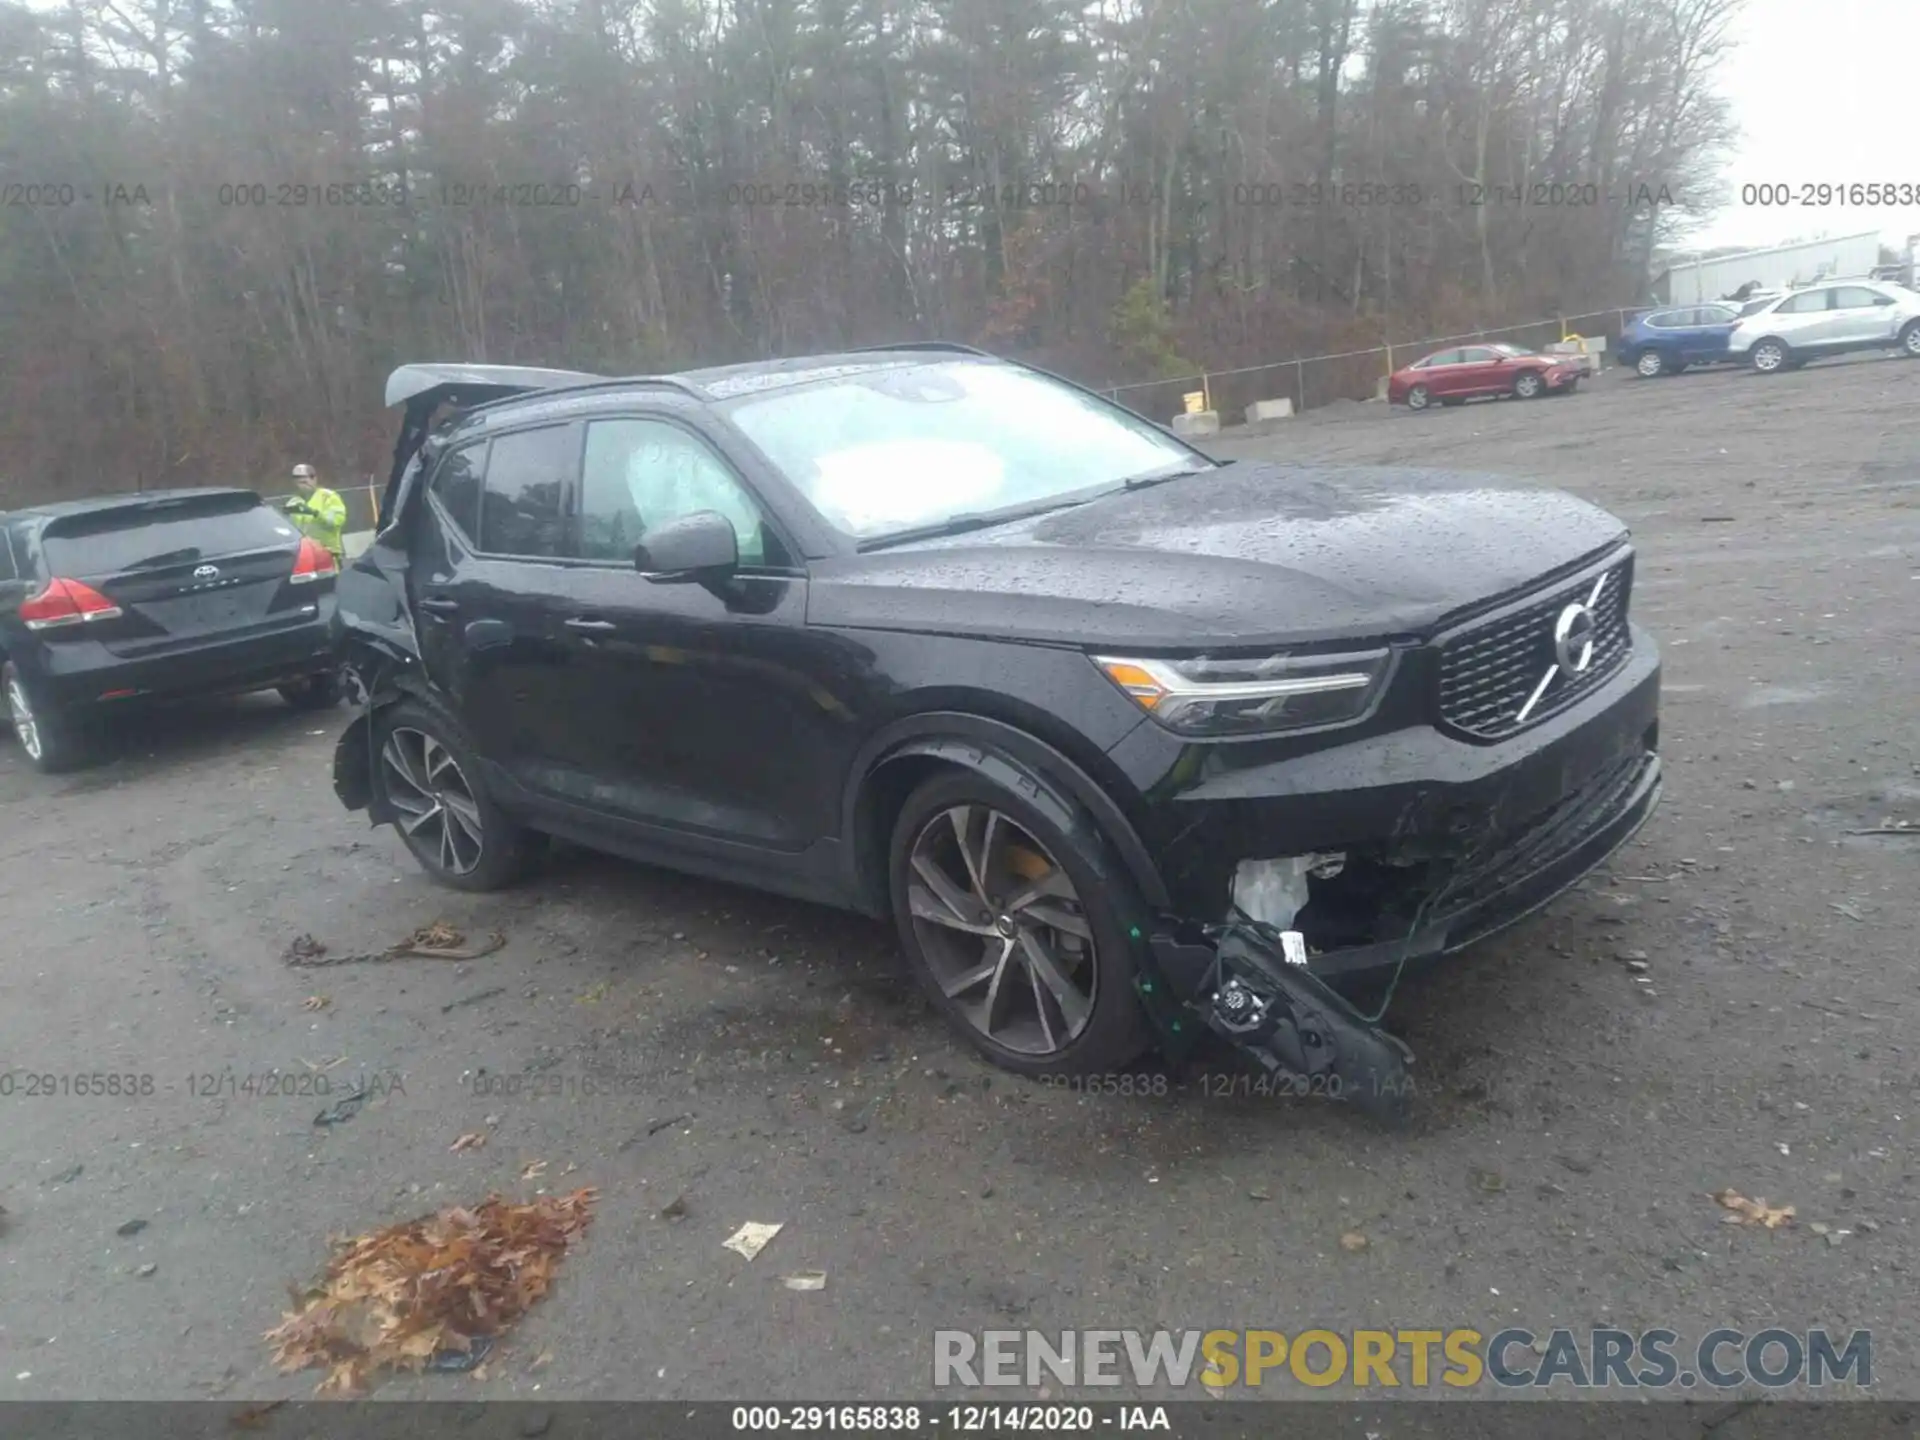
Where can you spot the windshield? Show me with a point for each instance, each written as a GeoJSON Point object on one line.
{"type": "Point", "coordinates": [906, 447]}
{"type": "Point", "coordinates": [1506, 349]}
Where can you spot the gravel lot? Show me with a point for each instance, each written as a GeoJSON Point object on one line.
{"type": "Point", "coordinates": [766, 1061]}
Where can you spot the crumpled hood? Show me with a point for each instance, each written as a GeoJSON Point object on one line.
{"type": "Point", "coordinates": [1249, 554]}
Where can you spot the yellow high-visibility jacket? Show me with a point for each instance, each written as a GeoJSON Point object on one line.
{"type": "Point", "coordinates": [322, 517]}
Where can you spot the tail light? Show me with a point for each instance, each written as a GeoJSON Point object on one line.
{"type": "Point", "coordinates": [66, 602]}
{"type": "Point", "coordinates": [314, 562]}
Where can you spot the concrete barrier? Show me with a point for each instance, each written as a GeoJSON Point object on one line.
{"type": "Point", "coordinates": [1268, 410]}
{"type": "Point", "coordinates": [1200, 422]}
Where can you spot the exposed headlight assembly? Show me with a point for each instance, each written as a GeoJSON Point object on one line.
{"type": "Point", "coordinates": [1208, 697]}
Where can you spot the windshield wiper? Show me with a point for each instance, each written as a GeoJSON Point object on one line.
{"type": "Point", "coordinates": [969, 520]}
{"type": "Point", "coordinates": [167, 557]}
{"type": "Point", "coordinates": [1160, 477]}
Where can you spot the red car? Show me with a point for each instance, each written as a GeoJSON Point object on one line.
{"type": "Point", "coordinates": [1454, 377]}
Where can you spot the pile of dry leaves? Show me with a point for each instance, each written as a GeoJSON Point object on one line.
{"type": "Point", "coordinates": [442, 1285]}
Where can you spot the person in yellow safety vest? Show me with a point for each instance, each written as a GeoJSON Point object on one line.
{"type": "Point", "coordinates": [318, 513]}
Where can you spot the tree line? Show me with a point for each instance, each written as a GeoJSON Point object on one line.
{"type": "Point", "coordinates": [223, 221]}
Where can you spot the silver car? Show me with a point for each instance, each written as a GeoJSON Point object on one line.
{"type": "Point", "coordinates": [1828, 320]}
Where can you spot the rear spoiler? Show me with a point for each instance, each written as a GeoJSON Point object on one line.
{"type": "Point", "coordinates": [423, 389]}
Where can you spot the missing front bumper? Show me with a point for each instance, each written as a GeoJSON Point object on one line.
{"type": "Point", "coordinates": [1238, 981]}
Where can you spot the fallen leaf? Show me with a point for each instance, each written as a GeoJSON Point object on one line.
{"type": "Point", "coordinates": [1353, 1241]}
{"type": "Point", "coordinates": [316, 1002]}
{"type": "Point", "coordinates": [675, 1209]}
{"type": "Point", "coordinates": [430, 1293]}
{"type": "Point", "coordinates": [805, 1280]}
{"type": "Point", "coordinates": [542, 1360]}
{"type": "Point", "coordinates": [1752, 1212]}
{"type": "Point", "coordinates": [472, 1140]}
{"type": "Point", "coordinates": [751, 1238]}
{"type": "Point", "coordinates": [533, 1169]}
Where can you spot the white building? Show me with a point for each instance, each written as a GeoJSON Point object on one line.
{"type": "Point", "coordinates": [1695, 281]}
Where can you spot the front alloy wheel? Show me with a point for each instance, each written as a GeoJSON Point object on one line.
{"type": "Point", "coordinates": [1650, 364]}
{"type": "Point", "coordinates": [1527, 385]}
{"type": "Point", "coordinates": [1769, 356]}
{"type": "Point", "coordinates": [1910, 339]}
{"type": "Point", "coordinates": [1418, 398]}
{"type": "Point", "coordinates": [1002, 930]}
{"type": "Point", "coordinates": [438, 812]}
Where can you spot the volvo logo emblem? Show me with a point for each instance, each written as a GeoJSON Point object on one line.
{"type": "Point", "coordinates": [206, 572]}
{"type": "Point", "coordinates": [1573, 636]}
{"type": "Point", "coordinates": [1574, 633]}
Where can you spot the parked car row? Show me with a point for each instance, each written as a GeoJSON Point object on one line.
{"type": "Point", "coordinates": [1771, 331]}
{"type": "Point", "coordinates": [1778, 331]}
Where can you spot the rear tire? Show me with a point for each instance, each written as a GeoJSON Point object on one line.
{"type": "Point", "coordinates": [316, 692]}
{"type": "Point", "coordinates": [1018, 928]}
{"type": "Point", "coordinates": [51, 742]}
{"type": "Point", "coordinates": [427, 774]}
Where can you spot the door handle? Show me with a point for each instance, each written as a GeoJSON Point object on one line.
{"type": "Point", "coordinates": [439, 604]}
{"type": "Point", "coordinates": [586, 626]}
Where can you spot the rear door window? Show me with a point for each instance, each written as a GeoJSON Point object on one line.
{"type": "Point", "coordinates": [1805, 303]}
{"type": "Point", "coordinates": [524, 499]}
{"type": "Point", "coordinates": [457, 484]}
{"type": "Point", "coordinates": [140, 539]}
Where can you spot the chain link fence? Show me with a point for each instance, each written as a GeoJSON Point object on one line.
{"type": "Point", "coordinates": [1311, 381]}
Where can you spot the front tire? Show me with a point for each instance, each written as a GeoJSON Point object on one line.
{"type": "Point", "coordinates": [1651, 365]}
{"type": "Point", "coordinates": [1770, 357]}
{"type": "Point", "coordinates": [1528, 386]}
{"type": "Point", "coordinates": [1419, 397]}
{"type": "Point", "coordinates": [51, 742]}
{"type": "Point", "coordinates": [427, 774]}
{"type": "Point", "coordinates": [1018, 927]}
{"type": "Point", "coordinates": [1910, 339]}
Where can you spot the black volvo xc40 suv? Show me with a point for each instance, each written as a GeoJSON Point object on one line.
{"type": "Point", "coordinates": [936, 636]}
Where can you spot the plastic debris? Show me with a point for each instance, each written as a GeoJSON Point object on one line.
{"type": "Point", "coordinates": [1353, 1242]}
{"type": "Point", "coordinates": [751, 1238]}
{"type": "Point", "coordinates": [131, 1227]}
{"type": "Point", "coordinates": [805, 1280]}
{"type": "Point", "coordinates": [472, 1140]}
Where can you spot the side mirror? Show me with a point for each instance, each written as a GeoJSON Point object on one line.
{"type": "Point", "coordinates": [696, 547]}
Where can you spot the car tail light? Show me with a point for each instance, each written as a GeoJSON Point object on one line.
{"type": "Point", "coordinates": [66, 602]}
{"type": "Point", "coordinates": [314, 562]}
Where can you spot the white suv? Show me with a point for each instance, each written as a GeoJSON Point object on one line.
{"type": "Point", "coordinates": [1828, 320]}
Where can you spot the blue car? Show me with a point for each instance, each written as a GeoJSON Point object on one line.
{"type": "Point", "coordinates": [1665, 342]}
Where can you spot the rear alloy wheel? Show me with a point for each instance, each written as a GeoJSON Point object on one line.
{"type": "Point", "coordinates": [316, 692]}
{"type": "Point", "coordinates": [1527, 385]}
{"type": "Point", "coordinates": [1910, 339]}
{"type": "Point", "coordinates": [1418, 398]}
{"type": "Point", "coordinates": [1015, 928]}
{"type": "Point", "coordinates": [446, 819]}
{"type": "Point", "coordinates": [1771, 356]}
{"type": "Point", "coordinates": [1650, 365]}
{"type": "Point", "coordinates": [47, 741]}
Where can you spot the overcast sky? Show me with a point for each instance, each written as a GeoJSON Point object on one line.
{"type": "Point", "coordinates": [1819, 93]}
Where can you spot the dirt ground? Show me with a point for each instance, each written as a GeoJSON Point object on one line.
{"type": "Point", "coordinates": [762, 1060]}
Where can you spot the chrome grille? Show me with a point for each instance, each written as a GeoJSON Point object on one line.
{"type": "Point", "coordinates": [1488, 673]}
